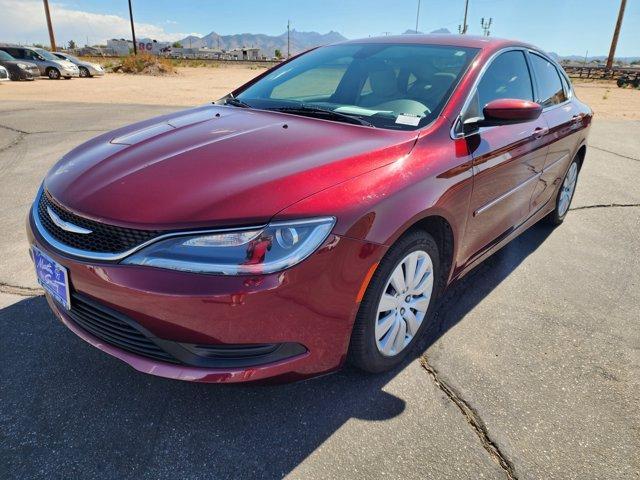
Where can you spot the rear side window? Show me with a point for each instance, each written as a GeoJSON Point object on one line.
{"type": "Point", "coordinates": [550, 89]}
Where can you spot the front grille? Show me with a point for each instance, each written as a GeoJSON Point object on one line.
{"type": "Point", "coordinates": [114, 329]}
{"type": "Point", "coordinates": [104, 238]}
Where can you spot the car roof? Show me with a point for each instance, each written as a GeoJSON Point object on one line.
{"type": "Point", "coordinates": [470, 41]}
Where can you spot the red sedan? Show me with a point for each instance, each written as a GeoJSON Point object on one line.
{"type": "Point", "coordinates": [312, 216]}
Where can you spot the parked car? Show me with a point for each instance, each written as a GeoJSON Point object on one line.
{"type": "Point", "coordinates": [48, 64]}
{"type": "Point", "coordinates": [87, 69]}
{"type": "Point", "coordinates": [4, 74]}
{"type": "Point", "coordinates": [18, 69]}
{"type": "Point", "coordinates": [312, 216]}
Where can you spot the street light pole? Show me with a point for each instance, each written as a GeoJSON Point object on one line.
{"type": "Point", "coordinates": [52, 39]}
{"type": "Point", "coordinates": [133, 30]}
{"type": "Point", "coordinates": [417, 16]}
{"type": "Point", "coordinates": [616, 34]}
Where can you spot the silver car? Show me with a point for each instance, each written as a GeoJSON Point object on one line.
{"type": "Point", "coordinates": [87, 69]}
{"type": "Point", "coordinates": [48, 64]}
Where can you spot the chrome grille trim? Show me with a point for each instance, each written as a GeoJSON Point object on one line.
{"type": "Point", "coordinates": [108, 256]}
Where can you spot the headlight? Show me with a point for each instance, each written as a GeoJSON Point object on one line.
{"type": "Point", "coordinates": [22, 66]}
{"type": "Point", "coordinates": [278, 246]}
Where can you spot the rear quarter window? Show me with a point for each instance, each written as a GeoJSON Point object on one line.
{"type": "Point", "coordinates": [550, 88]}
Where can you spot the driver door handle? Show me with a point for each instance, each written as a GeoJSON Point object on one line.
{"type": "Point", "coordinates": [540, 132]}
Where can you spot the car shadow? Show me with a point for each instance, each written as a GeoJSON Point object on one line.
{"type": "Point", "coordinates": [68, 410]}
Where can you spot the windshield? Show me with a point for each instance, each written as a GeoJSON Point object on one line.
{"type": "Point", "coordinates": [5, 56]}
{"type": "Point", "coordinates": [47, 55]}
{"type": "Point", "coordinates": [388, 85]}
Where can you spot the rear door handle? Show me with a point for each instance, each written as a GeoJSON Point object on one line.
{"type": "Point", "coordinates": [540, 132]}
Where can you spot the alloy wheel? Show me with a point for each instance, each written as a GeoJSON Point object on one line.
{"type": "Point", "coordinates": [567, 189]}
{"type": "Point", "coordinates": [404, 303]}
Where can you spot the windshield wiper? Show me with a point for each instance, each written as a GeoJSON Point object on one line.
{"type": "Point", "coordinates": [236, 102]}
{"type": "Point", "coordinates": [325, 112]}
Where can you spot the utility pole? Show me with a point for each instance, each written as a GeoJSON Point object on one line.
{"type": "Point", "coordinates": [486, 25]}
{"type": "Point", "coordinates": [52, 39]}
{"type": "Point", "coordinates": [465, 26]}
{"type": "Point", "coordinates": [616, 34]}
{"type": "Point", "coordinates": [133, 31]}
{"type": "Point", "coordinates": [288, 38]}
{"type": "Point", "coordinates": [417, 16]}
{"type": "Point", "coordinates": [585, 58]}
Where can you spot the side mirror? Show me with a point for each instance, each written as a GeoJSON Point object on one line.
{"type": "Point", "coordinates": [504, 111]}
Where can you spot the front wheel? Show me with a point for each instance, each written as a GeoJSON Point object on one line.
{"type": "Point", "coordinates": [84, 72]}
{"type": "Point", "coordinates": [397, 305]}
{"type": "Point", "coordinates": [565, 194]}
{"type": "Point", "coordinates": [53, 73]}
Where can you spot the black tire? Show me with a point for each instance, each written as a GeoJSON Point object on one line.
{"type": "Point", "coordinates": [363, 351]}
{"type": "Point", "coordinates": [53, 73]}
{"type": "Point", "coordinates": [84, 72]}
{"type": "Point", "coordinates": [14, 77]}
{"type": "Point", "coordinates": [556, 217]}
{"type": "Point", "coordinates": [620, 83]}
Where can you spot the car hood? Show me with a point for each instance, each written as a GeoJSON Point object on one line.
{"type": "Point", "coordinates": [16, 62]}
{"type": "Point", "coordinates": [214, 166]}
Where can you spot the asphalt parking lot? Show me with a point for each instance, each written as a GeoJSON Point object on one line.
{"type": "Point", "coordinates": [533, 373]}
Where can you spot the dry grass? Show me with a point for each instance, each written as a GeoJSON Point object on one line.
{"type": "Point", "coordinates": [145, 64]}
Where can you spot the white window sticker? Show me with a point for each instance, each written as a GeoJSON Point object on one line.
{"type": "Point", "coordinates": [406, 119]}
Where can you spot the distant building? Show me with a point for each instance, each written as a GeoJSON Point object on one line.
{"type": "Point", "coordinates": [145, 45]}
{"type": "Point", "coordinates": [244, 54]}
{"type": "Point", "coordinates": [119, 46]}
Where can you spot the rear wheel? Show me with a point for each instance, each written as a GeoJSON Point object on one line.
{"type": "Point", "coordinates": [397, 305]}
{"type": "Point", "coordinates": [53, 73]}
{"type": "Point", "coordinates": [565, 194]}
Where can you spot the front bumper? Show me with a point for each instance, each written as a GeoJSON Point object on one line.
{"type": "Point", "coordinates": [94, 72]}
{"type": "Point", "coordinates": [29, 73]}
{"type": "Point", "coordinates": [312, 305]}
{"type": "Point", "coordinates": [68, 72]}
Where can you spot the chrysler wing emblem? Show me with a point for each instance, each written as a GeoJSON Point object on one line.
{"type": "Point", "coordinates": [68, 226]}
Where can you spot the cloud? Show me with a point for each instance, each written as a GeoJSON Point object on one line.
{"type": "Point", "coordinates": [24, 21]}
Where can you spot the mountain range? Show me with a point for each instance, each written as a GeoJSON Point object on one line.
{"type": "Point", "coordinates": [300, 41]}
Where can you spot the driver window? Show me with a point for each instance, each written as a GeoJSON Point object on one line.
{"type": "Point", "coordinates": [507, 77]}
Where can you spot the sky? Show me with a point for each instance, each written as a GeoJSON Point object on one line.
{"type": "Point", "coordinates": [566, 27]}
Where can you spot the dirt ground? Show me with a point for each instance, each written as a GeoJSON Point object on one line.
{"type": "Point", "coordinates": [194, 86]}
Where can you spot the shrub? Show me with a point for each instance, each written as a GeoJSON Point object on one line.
{"type": "Point", "coordinates": [147, 65]}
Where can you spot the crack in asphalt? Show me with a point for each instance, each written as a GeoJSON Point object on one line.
{"type": "Point", "coordinates": [23, 132]}
{"type": "Point", "coordinates": [472, 418]}
{"type": "Point", "coordinates": [605, 205]}
{"type": "Point", "coordinates": [18, 290]}
{"type": "Point", "coordinates": [13, 143]}
{"type": "Point", "coordinates": [615, 153]}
